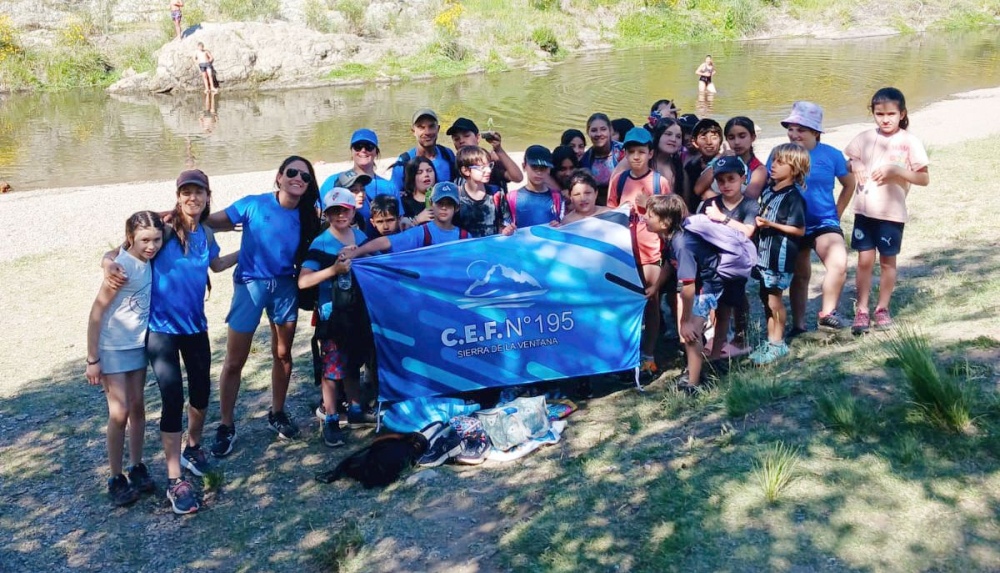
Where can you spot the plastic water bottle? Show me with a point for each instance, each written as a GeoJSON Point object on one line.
{"type": "Point", "coordinates": [344, 281]}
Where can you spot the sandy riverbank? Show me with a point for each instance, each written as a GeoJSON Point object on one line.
{"type": "Point", "coordinates": [50, 241]}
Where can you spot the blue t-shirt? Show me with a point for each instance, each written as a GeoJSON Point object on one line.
{"type": "Point", "coordinates": [533, 209]}
{"type": "Point", "coordinates": [327, 243]}
{"type": "Point", "coordinates": [413, 238]}
{"type": "Point", "coordinates": [377, 186]}
{"type": "Point", "coordinates": [441, 166]}
{"type": "Point", "coordinates": [270, 237]}
{"type": "Point", "coordinates": [179, 283]}
{"type": "Point", "coordinates": [826, 163]}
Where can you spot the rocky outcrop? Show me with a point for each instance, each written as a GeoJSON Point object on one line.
{"type": "Point", "coordinates": [248, 55]}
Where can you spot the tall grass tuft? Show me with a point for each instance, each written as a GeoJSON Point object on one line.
{"type": "Point", "coordinates": [342, 547]}
{"type": "Point", "coordinates": [751, 389]}
{"type": "Point", "coordinates": [945, 401]}
{"type": "Point", "coordinates": [774, 469]}
{"type": "Point", "coordinates": [846, 414]}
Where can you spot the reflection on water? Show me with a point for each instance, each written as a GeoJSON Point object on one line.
{"type": "Point", "coordinates": [87, 137]}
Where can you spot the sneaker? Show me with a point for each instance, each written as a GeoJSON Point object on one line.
{"type": "Point", "coordinates": [882, 319]}
{"type": "Point", "coordinates": [831, 322]}
{"type": "Point", "coordinates": [356, 417]}
{"type": "Point", "coordinates": [768, 352]}
{"type": "Point", "coordinates": [473, 451]}
{"type": "Point", "coordinates": [648, 371]}
{"type": "Point", "coordinates": [138, 476]}
{"type": "Point", "coordinates": [447, 445]}
{"type": "Point", "coordinates": [861, 323]}
{"type": "Point", "coordinates": [321, 415]}
{"type": "Point", "coordinates": [121, 491]}
{"type": "Point", "coordinates": [194, 459]}
{"type": "Point", "coordinates": [182, 498]}
{"type": "Point", "coordinates": [225, 436]}
{"type": "Point", "coordinates": [332, 436]}
{"type": "Point", "coordinates": [282, 425]}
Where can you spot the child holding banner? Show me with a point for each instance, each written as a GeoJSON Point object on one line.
{"type": "Point", "coordinates": [342, 356]}
{"type": "Point", "coordinates": [441, 229]}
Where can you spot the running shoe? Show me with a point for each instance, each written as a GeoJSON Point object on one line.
{"type": "Point", "coordinates": [225, 436]}
{"type": "Point", "coordinates": [795, 332]}
{"type": "Point", "coordinates": [831, 322]}
{"type": "Point", "coordinates": [768, 352]}
{"type": "Point", "coordinates": [882, 319]}
{"type": "Point", "coordinates": [121, 491]}
{"type": "Point", "coordinates": [194, 459]}
{"type": "Point", "coordinates": [648, 371]}
{"type": "Point", "coordinates": [862, 322]}
{"type": "Point", "coordinates": [138, 476]}
{"type": "Point", "coordinates": [182, 498]}
{"type": "Point", "coordinates": [357, 417]}
{"type": "Point", "coordinates": [281, 424]}
{"type": "Point", "coordinates": [332, 435]}
{"type": "Point", "coordinates": [446, 446]}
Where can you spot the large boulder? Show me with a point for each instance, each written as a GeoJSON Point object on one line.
{"type": "Point", "coordinates": [248, 55]}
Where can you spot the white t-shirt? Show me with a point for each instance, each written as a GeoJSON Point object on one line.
{"type": "Point", "coordinates": [125, 320]}
{"type": "Point", "coordinates": [871, 150]}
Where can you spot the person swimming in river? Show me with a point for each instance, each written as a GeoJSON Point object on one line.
{"type": "Point", "coordinates": [706, 73]}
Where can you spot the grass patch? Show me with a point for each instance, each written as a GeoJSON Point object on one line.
{"type": "Point", "coordinates": [944, 400]}
{"type": "Point", "coordinates": [774, 469]}
{"type": "Point", "coordinates": [846, 414]}
{"type": "Point", "coordinates": [249, 10]}
{"type": "Point", "coordinates": [750, 389]}
{"type": "Point", "coordinates": [353, 12]}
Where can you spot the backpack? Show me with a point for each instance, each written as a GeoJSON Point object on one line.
{"type": "Point", "coordinates": [511, 201]}
{"type": "Point", "coordinates": [620, 186]}
{"type": "Point", "coordinates": [443, 151]}
{"type": "Point", "coordinates": [428, 240]}
{"type": "Point", "coordinates": [381, 462]}
{"type": "Point", "coordinates": [737, 255]}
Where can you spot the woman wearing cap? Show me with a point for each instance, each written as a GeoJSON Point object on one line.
{"type": "Point", "coordinates": [823, 232]}
{"type": "Point", "coordinates": [364, 153]}
{"type": "Point", "coordinates": [178, 329]}
{"type": "Point", "coordinates": [277, 230]}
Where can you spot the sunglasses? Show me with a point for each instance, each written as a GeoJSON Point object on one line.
{"type": "Point", "coordinates": [487, 167]}
{"type": "Point", "coordinates": [305, 176]}
{"type": "Point", "coordinates": [363, 146]}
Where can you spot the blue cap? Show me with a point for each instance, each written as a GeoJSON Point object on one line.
{"type": "Point", "coordinates": [728, 164]}
{"type": "Point", "coordinates": [445, 190]}
{"type": "Point", "coordinates": [639, 136]}
{"type": "Point", "coordinates": [365, 135]}
{"type": "Point", "coordinates": [538, 155]}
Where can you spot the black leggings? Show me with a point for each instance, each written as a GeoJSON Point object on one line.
{"type": "Point", "coordinates": [165, 352]}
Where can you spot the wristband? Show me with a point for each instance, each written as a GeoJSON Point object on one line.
{"type": "Point", "coordinates": [89, 363]}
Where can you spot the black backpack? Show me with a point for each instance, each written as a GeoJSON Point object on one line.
{"type": "Point", "coordinates": [380, 463]}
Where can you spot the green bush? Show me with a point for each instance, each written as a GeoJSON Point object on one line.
{"type": "Point", "coordinates": [354, 12]}
{"type": "Point", "coordinates": [80, 67]}
{"type": "Point", "coordinates": [316, 18]}
{"type": "Point", "coordinates": [546, 39]}
{"type": "Point", "coordinates": [544, 5]}
{"type": "Point", "coordinates": [248, 10]}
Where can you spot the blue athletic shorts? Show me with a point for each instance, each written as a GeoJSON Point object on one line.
{"type": "Point", "coordinates": [870, 234]}
{"type": "Point", "coordinates": [704, 304]}
{"type": "Point", "coordinates": [774, 280]}
{"type": "Point", "coordinates": [278, 296]}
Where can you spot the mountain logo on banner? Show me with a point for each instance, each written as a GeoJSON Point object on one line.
{"type": "Point", "coordinates": [499, 286]}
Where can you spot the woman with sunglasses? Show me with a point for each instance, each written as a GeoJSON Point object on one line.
{"type": "Point", "coordinates": [278, 228]}
{"type": "Point", "coordinates": [364, 153]}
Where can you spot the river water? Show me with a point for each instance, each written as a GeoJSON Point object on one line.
{"type": "Point", "coordinates": [88, 137]}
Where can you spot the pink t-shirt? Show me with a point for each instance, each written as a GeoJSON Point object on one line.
{"type": "Point", "coordinates": [871, 150]}
{"type": "Point", "coordinates": [647, 241]}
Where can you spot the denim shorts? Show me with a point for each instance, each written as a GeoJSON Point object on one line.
{"type": "Point", "coordinates": [118, 361]}
{"type": "Point", "coordinates": [870, 234]}
{"type": "Point", "coordinates": [279, 297]}
{"type": "Point", "coordinates": [774, 280]}
{"type": "Point", "coordinates": [704, 304]}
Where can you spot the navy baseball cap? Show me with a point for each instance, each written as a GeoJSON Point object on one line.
{"type": "Point", "coordinates": [729, 164]}
{"type": "Point", "coordinates": [444, 190]}
{"type": "Point", "coordinates": [538, 156]}
{"type": "Point", "coordinates": [463, 124]}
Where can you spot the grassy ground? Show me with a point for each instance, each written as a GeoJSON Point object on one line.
{"type": "Point", "coordinates": [822, 462]}
{"type": "Point", "coordinates": [453, 37]}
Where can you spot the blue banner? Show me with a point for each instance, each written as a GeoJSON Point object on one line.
{"type": "Point", "coordinates": [543, 304]}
